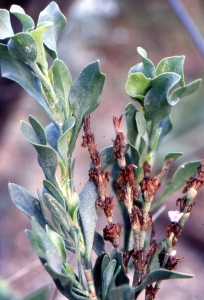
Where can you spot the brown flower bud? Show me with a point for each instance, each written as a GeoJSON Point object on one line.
{"type": "Point", "coordinates": [111, 233]}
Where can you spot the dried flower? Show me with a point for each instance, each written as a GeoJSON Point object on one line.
{"type": "Point", "coordinates": [174, 215]}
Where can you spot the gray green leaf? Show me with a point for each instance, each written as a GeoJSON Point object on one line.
{"type": "Point", "coordinates": [20, 72]}
{"type": "Point", "coordinates": [172, 64]}
{"type": "Point", "coordinates": [23, 46]}
{"type": "Point", "coordinates": [186, 90]}
{"type": "Point", "coordinates": [54, 192]}
{"type": "Point", "coordinates": [124, 292]}
{"type": "Point", "coordinates": [26, 21]}
{"type": "Point", "coordinates": [52, 14]}
{"type": "Point", "coordinates": [158, 275]}
{"type": "Point", "coordinates": [58, 242]}
{"type": "Point", "coordinates": [85, 97]}
{"type": "Point", "coordinates": [47, 158]}
{"type": "Point", "coordinates": [137, 85]}
{"type": "Point", "coordinates": [107, 157]}
{"type": "Point", "coordinates": [131, 128]}
{"type": "Point", "coordinates": [27, 203]}
{"type": "Point", "coordinates": [146, 67]}
{"type": "Point", "coordinates": [141, 123]}
{"type": "Point", "coordinates": [88, 216]}
{"type": "Point", "coordinates": [64, 140]}
{"type": "Point", "coordinates": [6, 30]}
{"type": "Point", "coordinates": [62, 84]}
{"type": "Point", "coordinates": [39, 294]}
{"type": "Point", "coordinates": [183, 173]}
{"type": "Point", "coordinates": [39, 131]}
{"type": "Point", "coordinates": [107, 277]}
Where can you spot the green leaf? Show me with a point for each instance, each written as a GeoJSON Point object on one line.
{"type": "Point", "coordinates": [6, 30]}
{"type": "Point", "coordinates": [98, 244]}
{"type": "Point", "coordinates": [58, 242]}
{"type": "Point", "coordinates": [146, 67]}
{"type": "Point", "coordinates": [20, 72]}
{"type": "Point", "coordinates": [53, 135]}
{"type": "Point", "coordinates": [73, 204]}
{"type": "Point", "coordinates": [186, 90]}
{"type": "Point", "coordinates": [61, 215]}
{"type": "Point", "coordinates": [131, 128]}
{"type": "Point", "coordinates": [54, 192]}
{"type": "Point", "coordinates": [158, 275]}
{"type": "Point", "coordinates": [141, 123]}
{"type": "Point", "coordinates": [172, 155]}
{"type": "Point", "coordinates": [105, 262]}
{"type": "Point", "coordinates": [142, 145]}
{"type": "Point", "coordinates": [107, 277]}
{"type": "Point", "coordinates": [27, 203]}
{"type": "Point", "coordinates": [62, 84]}
{"type": "Point", "coordinates": [40, 294]}
{"type": "Point", "coordinates": [52, 14]}
{"type": "Point", "coordinates": [135, 156]}
{"type": "Point", "coordinates": [122, 278]}
{"type": "Point", "coordinates": [64, 140]}
{"type": "Point", "coordinates": [107, 157]}
{"type": "Point", "coordinates": [172, 64]}
{"type": "Point", "coordinates": [40, 241]}
{"type": "Point", "coordinates": [23, 46]}
{"type": "Point", "coordinates": [38, 35]}
{"type": "Point", "coordinates": [26, 21]}
{"type": "Point", "coordinates": [39, 131]}
{"type": "Point", "coordinates": [85, 97]}
{"type": "Point", "coordinates": [97, 274]}
{"type": "Point", "coordinates": [124, 292]}
{"type": "Point", "coordinates": [183, 173]}
{"type": "Point", "coordinates": [47, 158]}
{"type": "Point", "coordinates": [137, 85]}
{"type": "Point", "coordinates": [88, 216]}
{"type": "Point", "coordinates": [156, 102]}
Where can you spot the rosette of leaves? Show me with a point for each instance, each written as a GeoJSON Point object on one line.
{"type": "Point", "coordinates": [158, 90]}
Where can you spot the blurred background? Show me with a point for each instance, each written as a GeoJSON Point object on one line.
{"type": "Point", "coordinates": [108, 30]}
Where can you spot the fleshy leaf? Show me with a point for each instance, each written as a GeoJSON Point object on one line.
{"type": "Point", "coordinates": [172, 64]}
{"type": "Point", "coordinates": [146, 67]}
{"type": "Point", "coordinates": [27, 203]}
{"type": "Point", "coordinates": [20, 72]}
{"type": "Point", "coordinates": [107, 276]}
{"type": "Point", "coordinates": [124, 292]}
{"type": "Point", "coordinates": [38, 35]}
{"type": "Point", "coordinates": [122, 278]}
{"type": "Point", "coordinates": [172, 155]}
{"type": "Point", "coordinates": [97, 274]}
{"type": "Point", "coordinates": [47, 158]}
{"type": "Point", "coordinates": [52, 14]}
{"type": "Point", "coordinates": [187, 90]}
{"type": "Point", "coordinates": [26, 21]}
{"type": "Point", "coordinates": [85, 97]}
{"type": "Point", "coordinates": [54, 192]}
{"type": "Point", "coordinates": [40, 241]}
{"type": "Point", "coordinates": [107, 157]}
{"type": "Point", "coordinates": [23, 46]}
{"type": "Point", "coordinates": [39, 131]}
{"type": "Point", "coordinates": [58, 211]}
{"type": "Point", "coordinates": [64, 140]}
{"type": "Point", "coordinates": [137, 85]}
{"type": "Point", "coordinates": [62, 84]}
{"type": "Point", "coordinates": [88, 216]}
{"type": "Point", "coordinates": [156, 101]}
{"type": "Point", "coordinates": [158, 275]}
{"type": "Point", "coordinates": [58, 242]}
{"type": "Point", "coordinates": [53, 135]}
{"type": "Point", "coordinates": [183, 173]}
{"type": "Point", "coordinates": [131, 128]}
{"type": "Point", "coordinates": [98, 244]}
{"type": "Point", "coordinates": [141, 123]}
{"type": "Point", "coordinates": [6, 30]}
